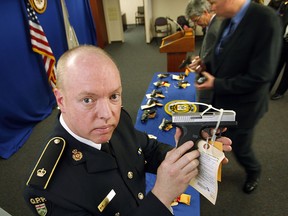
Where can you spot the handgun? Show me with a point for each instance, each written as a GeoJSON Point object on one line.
{"type": "Point", "coordinates": [185, 62]}
{"type": "Point", "coordinates": [192, 124]}
{"type": "Point", "coordinates": [200, 78]}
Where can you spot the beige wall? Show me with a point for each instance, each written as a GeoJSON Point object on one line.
{"type": "Point", "coordinates": [165, 8]}
{"type": "Point", "coordinates": [130, 7]}
{"type": "Point", "coordinates": [170, 8]}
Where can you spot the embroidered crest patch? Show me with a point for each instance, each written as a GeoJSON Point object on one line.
{"type": "Point", "coordinates": [41, 209]}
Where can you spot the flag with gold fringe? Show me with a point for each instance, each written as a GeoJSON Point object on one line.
{"type": "Point", "coordinates": [71, 37]}
{"type": "Point", "coordinates": [40, 44]}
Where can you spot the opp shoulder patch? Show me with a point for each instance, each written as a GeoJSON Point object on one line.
{"type": "Point", "coordinates": [47, 163]}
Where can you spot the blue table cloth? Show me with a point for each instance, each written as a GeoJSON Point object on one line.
{"type": "Point", "coordinates": [152, 127]}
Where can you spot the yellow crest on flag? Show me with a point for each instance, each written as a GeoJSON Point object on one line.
{"type": "Point", "coordinates": [39, 5]}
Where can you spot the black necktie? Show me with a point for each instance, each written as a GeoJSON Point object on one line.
{"type": "Point", "coordinates": [105, 147]}
{"type": "Point", "coordinates": [226, 35]}
{"type": "Point", "coordinates": [230, 28]}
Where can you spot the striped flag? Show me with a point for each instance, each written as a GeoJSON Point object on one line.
{"type": "Point", "coordinates": [41, 45]}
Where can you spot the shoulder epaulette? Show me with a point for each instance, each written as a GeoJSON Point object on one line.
{"type": "Point", "coordinates": [47, 163]}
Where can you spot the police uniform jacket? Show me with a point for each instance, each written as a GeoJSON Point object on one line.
{"type": "Point", "coordinates": [72, 178]}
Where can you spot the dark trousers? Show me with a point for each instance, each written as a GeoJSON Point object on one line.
{"type": "Point", "coordinates": [283, 85]}
{"type": "Point", "coordinates": [242, 139]}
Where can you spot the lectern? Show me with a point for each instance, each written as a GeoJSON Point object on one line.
{"type": "Point", "coordinates": [176, 46]}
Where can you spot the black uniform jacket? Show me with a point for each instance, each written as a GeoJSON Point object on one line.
{"type": "Point", "coordinates": [247, 64]}
{"type": "Point", "coordinates": [83, 177]}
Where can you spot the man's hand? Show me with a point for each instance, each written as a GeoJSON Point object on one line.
{"type": "Point", "coordinates": [226, 146]}
{"type": "Point", "coordinates": [197, 65]}
{"type": "Point", "coordinates": [179, 168]}
{"type": "Point", "coordinates": [208, 84]}
{"type": "Point", "coordinates": [175, 173]}
{"type": "Point", "coordinates": [224, 140]}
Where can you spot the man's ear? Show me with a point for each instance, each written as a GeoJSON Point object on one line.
{"type": "Point", "coordinates": [59, 98]}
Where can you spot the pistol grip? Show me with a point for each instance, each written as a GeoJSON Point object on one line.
{"type": "Point", "coordinates": [187, 135]}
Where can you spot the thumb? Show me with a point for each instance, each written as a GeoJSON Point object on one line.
{"type": "Point", "coordinates": [205, 73]}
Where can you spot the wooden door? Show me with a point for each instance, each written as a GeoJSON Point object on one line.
{"type": "Point", "coordinates": [100, 24]}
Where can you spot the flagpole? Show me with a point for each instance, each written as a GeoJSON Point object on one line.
{"type": "Point", "coordinates": [71, 37]}
{"type": "Point", "coordinates": [40, 44]}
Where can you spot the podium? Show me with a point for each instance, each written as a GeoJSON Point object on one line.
{"type": "Point", "coordinates": [176, 46]}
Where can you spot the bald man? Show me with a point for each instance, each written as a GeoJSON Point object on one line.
{"type": "Point", "coordinates": [94, 162]}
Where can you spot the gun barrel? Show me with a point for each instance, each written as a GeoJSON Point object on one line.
{"type": "Point", "coordinates": [207, 117]}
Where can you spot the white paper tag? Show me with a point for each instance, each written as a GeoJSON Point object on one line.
{"type": "Point", "coordinates": [206, 181]}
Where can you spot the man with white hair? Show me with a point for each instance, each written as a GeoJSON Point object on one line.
{"type": "Point", "coordinates": [243, 63]}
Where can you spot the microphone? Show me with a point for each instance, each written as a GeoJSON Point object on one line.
{"type": "Point", "coordinates": [175, 23]}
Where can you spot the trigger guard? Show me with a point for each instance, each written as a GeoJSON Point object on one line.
{"type": "Point", "coordinates": [208, 131]}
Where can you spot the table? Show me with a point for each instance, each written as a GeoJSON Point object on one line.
{"type": "Point", "coordinates": [151, 127]}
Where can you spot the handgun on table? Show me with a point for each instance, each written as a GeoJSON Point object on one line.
{"type": "Point", "coordinates": [192, 124]}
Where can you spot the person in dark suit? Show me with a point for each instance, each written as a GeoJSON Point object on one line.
{"type": "Point", "coordinates": [201, 13]}
{"type": "Point", "coordinates": [94, 162]}
{"type": "Point", "coordinates": [281, 8]}
{"type": "Point", "coordinates": [240, 72]}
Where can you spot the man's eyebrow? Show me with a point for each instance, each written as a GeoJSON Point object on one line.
{"type": "Point", "coordinates": [86, 93]}
{"type": "Point", "coordinates": [119, 88]}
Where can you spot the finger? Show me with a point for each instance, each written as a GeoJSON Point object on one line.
{"type": "Point", "coordinates": [225, 160]}
{"type": "Point", "coordinates": [227, 148]}
{"type": "Point", "coordinates": [192, 174]}
{"type": "Point", "coordinates": [196, 58]}
{"type": "Point", "coordinates": [205, 73]}
{"type": "Point", "coordinates": [191, 160]}
{"type": "Point", "coordinates": [223, 129]}
{"type": "Point", "coordinates": [225, 140]}
{"type": "Point", "coordinates": [176, 153]}
{"type": "Point", "coordinates": [188, 162]}
{"type": "Point", "coordinates": [207, 132]}
{"type": "Point", "coordinates": [220, 130]}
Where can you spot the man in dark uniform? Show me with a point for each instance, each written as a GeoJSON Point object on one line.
{"type": "Point", "coordinates": [74, 177]}
{"type": "Point", "coordinates": [240, 71]}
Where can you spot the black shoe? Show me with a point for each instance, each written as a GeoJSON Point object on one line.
{"type": "Point", "coordinates": [276, 96]}
{"type": "Point", "coordinates": [250, 185]}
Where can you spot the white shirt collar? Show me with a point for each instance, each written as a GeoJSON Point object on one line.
{"type": "Point", "coordinates": [81, 139]}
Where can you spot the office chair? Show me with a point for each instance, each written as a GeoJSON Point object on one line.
{"type": "Point", "coordinates": [162, 28]}
{"type": "Point", "coordinates": [139, 15]}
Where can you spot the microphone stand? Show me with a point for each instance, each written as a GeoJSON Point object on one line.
{"type": "Point", "coordinates": [175, 23]}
